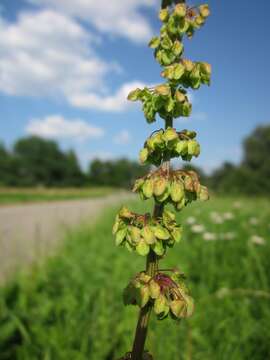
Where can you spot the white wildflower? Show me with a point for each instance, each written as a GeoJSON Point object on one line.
{"type": "Point", "coordinates": [208, 236]}
{"type": "Point", "coordinates": [197, 228]}
{"type": "Point", "coordinates": [258, 240]}
{"type": "Point", "coordinates": [253, 221]}
{"type": "Point", "coordinates": [237, 204]}
{"type": "Point", "coordinates": [228, 216]}
{"type": "Point", "coordinates": [228, 236]}
{"type": "Point", "coordinates": [216, 217]}
{"type": "Point", "coordinates": [191, 220]}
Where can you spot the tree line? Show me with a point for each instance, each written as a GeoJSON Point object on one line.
{"type": "Point", "coordinates": [34, 161]}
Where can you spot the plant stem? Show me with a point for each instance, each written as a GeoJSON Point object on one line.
{"type": "Point", "coordinates": [151, 270]}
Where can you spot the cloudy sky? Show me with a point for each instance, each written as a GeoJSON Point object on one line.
{"type": "Point", "coordinates": [67, 65]}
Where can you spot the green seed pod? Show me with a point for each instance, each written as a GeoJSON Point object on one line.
{"type": "Point", "coordinates": [134, 95]}
{"type": "Point", "coordinates": [158, 248]}
{"type": "Point", "coordinates": [176, 234]}
{"type": "Point", "coordinates": [116, 225]}
{"type": "Point", "coordinates": [182, 147]}
{"type": "Point", "coordinates": [120, 236]}
{"type": "Point", "coordinates": [179, 96]}
{"type": "Point", "coordinates": [166, 43]}
{"type": "Point", "coordinates": [193, 148]}
{"type": "Point", "coordinates": [186, 108]}
{"type": "Point", "coordinates": [125, 213]}
{"type": "Point", "coordinates": [177, 48]}
{"type": "Point", "coordinates": [154, 42]}
{"type": "Point", "coordinates": [164, 15]}
{"type": "Point", "coordinates": [169, 135]}
{"type": "Point", "coordinates": [165, 195]}
{"type": "Point", "coordinates": [199, 21]}
{"type": "Point", "coordinates": [203, 195]}
{"type": "Point", "coordinates": [135, 234]}
{"type": "Point", "coordinates": [142, 248]}
{"type": "Point", "coordinates": [188, 64]}
{"type": "Point", "coordinates": [143, 155]}
{"type": "Point", "coordinates": [163, 90]}
{"type": "Point", "coordinates": [145, 295]}
{"type": "Point", "coordinates": [158, 140]}
{"type": "Point", "coordinates": [148, 235]}
{"type": "Point", "coordinates": [181, 204]}
{"type": "Point", "coordinates": [178, 71]}
{"type": "Point", "coordinates": [154, 289]}
{"type": "Point", "coordinates": [160, 184]}
{"type": "Point", "coordinates": [188, 183]}
{"type": "Point", "coordinates": [177, 191]}
{"type": "Point", "coordinates": [206, 68]}
{"type": "Point", "coordinates": [161, 233]}
{"type": "Point", "coordinates": [168, 217]}
{"type": "Point", "coordinates": [178, 308]}
{"type": "Point", "coordinates": [138, 184]}
{"type": "Point", "coordinates": [148, 188]}
{"type": "Point", "coordinates": [180, 10]}
{"type": "Point", "coordinates": [204, 10]}
{"type": "Point", "coordinates": [160, 304]}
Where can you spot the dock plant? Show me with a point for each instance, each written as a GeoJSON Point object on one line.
{"type": "Point", "coordinates": [164, 292]}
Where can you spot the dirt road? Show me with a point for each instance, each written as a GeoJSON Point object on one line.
{"type": "Point", "coordinates": [28, 232]}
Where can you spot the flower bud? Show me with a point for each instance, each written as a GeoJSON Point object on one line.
{"type": "Point", "coordinates": [160, 185]}
{"type": "Point", "coordinates": [148, 188]}
{"type": "Point", "coordinates": [163, 90]}
{"type": "Point", "coordinates": [179, 96]}
{"type": "Point", "coordinates": [161, 233]}
{"type": "Point", "coordinates": [154, 289]}
{"type": "Point", "coordinates": [204, 10]}
{"type": "Point", "coordinates": [164, 15]}
{"type": "Point", "coordinates": [177, 191]}
{"type": "Point", "coordinates": [148, 235]}
{"type": "Point", "coordinates": [188, 183]}
{"type": "Point", "coordinates": [180, 10]}
{"type": "Point", "coordinates": [143, 155]}
{"type": "Point", "coordinates": [193, 148]}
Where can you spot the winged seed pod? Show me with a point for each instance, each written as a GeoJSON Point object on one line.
{"type": "Point", "coordinates": [154, 235]}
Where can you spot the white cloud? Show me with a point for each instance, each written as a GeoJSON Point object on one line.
{"type": "Point", "coordinates": [47, 54]}
{"type": "Point", "coordinates": [116, 17]}
{"type": "Point", "coordinates": [115, 102]}
{"type": "Point", "coordinates": [122, 138]}
{"type": "Point", "coordinates": [57, 127]}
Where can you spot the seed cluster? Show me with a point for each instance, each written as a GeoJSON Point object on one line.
{"type": "Point", "coordinates": [177, 187]}
{"type": "Point", "coordinates": [143, 232]}
{"type": "Point", "coordinates": [168, 144]}
{"type": "Point", "coordinates": [167, 293]}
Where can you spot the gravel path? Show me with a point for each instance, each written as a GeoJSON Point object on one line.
{"type": "Point", "coordinates": [28, 232]}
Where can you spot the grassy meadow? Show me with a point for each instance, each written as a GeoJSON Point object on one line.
{"type": "Point", "coordinates": [70, 306]}
{"type": "Point", "coordinates": [30, 195]}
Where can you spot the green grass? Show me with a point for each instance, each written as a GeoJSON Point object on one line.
{"type": "Point", "coordinates": [70, 307]}
{"type": "Point", "coordinates": [17, 195]}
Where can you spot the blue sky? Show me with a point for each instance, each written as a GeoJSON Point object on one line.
{"type": "Point", "coordinates": [66, 66]}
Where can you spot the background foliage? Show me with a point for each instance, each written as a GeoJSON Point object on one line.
{"type": "Point", "coordinates": [26, 165]}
